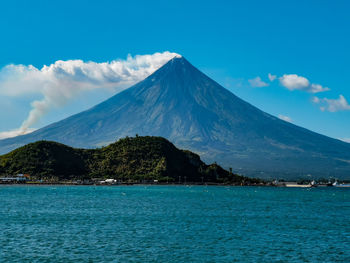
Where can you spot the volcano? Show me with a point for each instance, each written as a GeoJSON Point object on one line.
{"type": "Point", "coordinates": [194, 112]}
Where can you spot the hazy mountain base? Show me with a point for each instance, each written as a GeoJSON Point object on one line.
{"type": "Point", "coordinates": [129, 159]}
{"type": "Point", "coordinates": [180, 103]}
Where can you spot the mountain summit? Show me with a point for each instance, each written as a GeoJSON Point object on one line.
{"type": "Point", "coordinates": [184, 105]}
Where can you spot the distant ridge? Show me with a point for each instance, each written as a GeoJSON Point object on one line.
{"type": "Point", "coordinates": [184, 105]}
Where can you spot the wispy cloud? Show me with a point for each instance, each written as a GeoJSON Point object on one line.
{"type": "Point", "coordinates": [332, 105]}
{"type": "Point", "coordinates": [257, 82]}
{"type": "Point", "coordinates": [285, 118]}
{"type": "Point", "coordinates": [271, 77]}
{"type": "Point", "coordinates": [61, 81]}
{"type": "Point", "coordinates": [295, 82]}
{"type": "Point", "coordinates": [291, 82]}
{"type": "Point", "coordinates": [345, 140]}
{"type": "Point", "coordinates": [14, 133]}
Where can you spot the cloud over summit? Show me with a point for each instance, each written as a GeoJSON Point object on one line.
{"type": "Point", "coordinates": [61, 81]}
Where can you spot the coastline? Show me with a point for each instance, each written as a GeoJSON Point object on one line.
{"type": "Point", "coordinates": [129, 184]}
{"type": "Point", "coordinates": [172, 184]}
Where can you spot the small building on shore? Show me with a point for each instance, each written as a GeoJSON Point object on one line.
{"type": "Point", "coordinates": [19, 178]}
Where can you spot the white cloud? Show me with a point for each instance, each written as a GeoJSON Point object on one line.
{"type": "Point", "coordinates": [257, 82]}
{"type": "Point", "coordinates": [14, 133]}
{"type": "Point", "coordinates": [315, 100]}
{"type": "Point", "coordinates": [285, 118]}
{"type": "Point", "coordinates": [295, 82]}
{"type": "Point", "coordinates": [60, 82]}
{"type": "Point", "coordinates": [271, 77]}
{"type": "Point", "coordinates": [345, 140]}
{"type": "Point", "coordinates": [316, 88]}
{"type": "Point", "coordinates": [332, 105]}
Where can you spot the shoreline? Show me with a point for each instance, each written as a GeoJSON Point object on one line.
{"type": "Point", "coordinates": [169, 184]}
{"type": "Point", "coordinates": [128, 184]}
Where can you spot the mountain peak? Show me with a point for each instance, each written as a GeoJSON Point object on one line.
{"type": "Point", "coordinates": [178, 60]}
{"type": "Point", "coordinates": [178, 56]}
{"type": "Point", "coordinates": [182, 104]}
{"type": "Point", "coordinates": [178, 67]}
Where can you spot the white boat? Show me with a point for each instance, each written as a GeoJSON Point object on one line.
{"type": "Point", "coordinates": [336, 184]}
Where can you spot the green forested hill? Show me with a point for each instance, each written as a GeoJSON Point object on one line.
{"type": "Point", "coordinates": [44, 159]}
{"type": "Point", "coordinates": [135, 159]}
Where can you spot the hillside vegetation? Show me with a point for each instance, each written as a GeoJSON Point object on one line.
{"type": "Point", "coordinates": [129, 159]}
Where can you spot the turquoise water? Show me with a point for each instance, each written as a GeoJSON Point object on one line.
{"type": "Point", "coordinates": [173, 224]}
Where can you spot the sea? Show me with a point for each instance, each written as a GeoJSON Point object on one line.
{"type": "Point", "coordinates": [174, 224]}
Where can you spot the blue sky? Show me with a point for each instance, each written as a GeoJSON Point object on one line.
{"type": "Point", "coordinates": [233, 42]}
